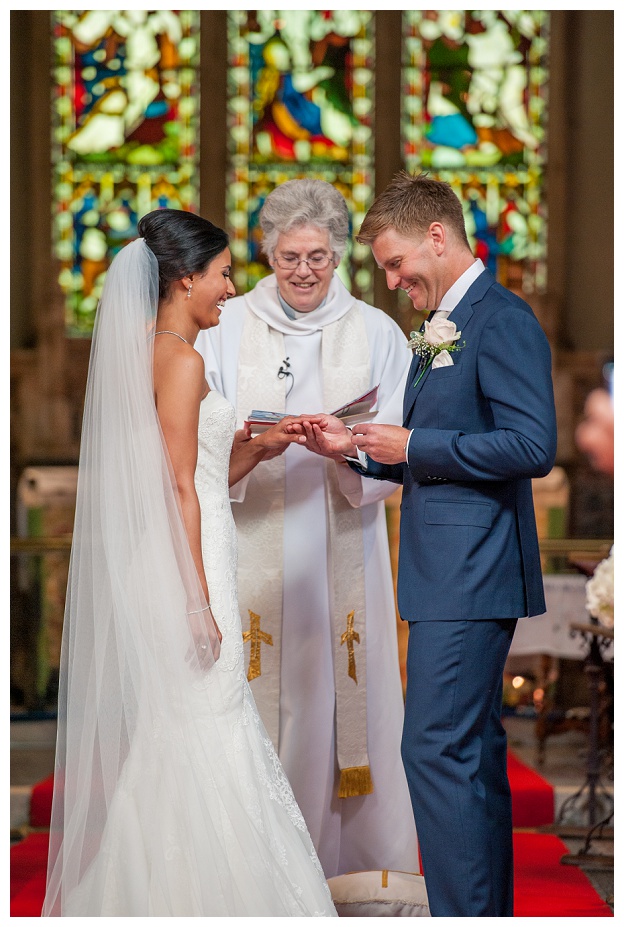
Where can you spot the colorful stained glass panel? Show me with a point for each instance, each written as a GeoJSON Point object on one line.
{"type": "Point", "coordinates": [474, 114]}
{"type": "Point", "coordinates": [125, 114]}
{"type": "Point", "coordinates": [300, 104]}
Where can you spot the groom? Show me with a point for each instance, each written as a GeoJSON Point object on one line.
{"type": "Point", "coordinates": [479, 424]}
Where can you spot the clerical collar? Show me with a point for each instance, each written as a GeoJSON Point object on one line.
{"type": "Point", "coordinates": [293, 313]}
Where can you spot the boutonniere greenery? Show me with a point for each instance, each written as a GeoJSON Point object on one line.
{"type": "Point", "coordinates": [435, 345]}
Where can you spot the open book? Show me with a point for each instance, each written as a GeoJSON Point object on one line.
{"type": "Point", "coordinates": [358, 410]}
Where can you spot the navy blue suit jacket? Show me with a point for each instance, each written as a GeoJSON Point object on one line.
{"type": "Point", "coordinates": [483, 428]}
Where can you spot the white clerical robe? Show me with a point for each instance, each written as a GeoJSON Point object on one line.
{"type": "Point", "coordinates": [371, 831]}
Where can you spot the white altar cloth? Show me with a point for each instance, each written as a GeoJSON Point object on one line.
{"type": "Point", "coordinates": [549, 634]}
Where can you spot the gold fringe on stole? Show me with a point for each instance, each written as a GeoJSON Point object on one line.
{"type": "Point", "coordinates": [355, 780]}
{"type": "Point", "coordinates": [384, 878]}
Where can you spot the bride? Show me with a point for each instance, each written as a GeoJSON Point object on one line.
{"type": "Point", "coordinates": [169, 798]}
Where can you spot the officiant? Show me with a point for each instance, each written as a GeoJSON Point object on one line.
{"type": "Point", "coordinates": [315, 584]}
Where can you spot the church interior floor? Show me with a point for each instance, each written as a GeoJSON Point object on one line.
{"type": "Point", "coordinates": [564, 767]}
{"type": "Point", "coordinates": [32, 759]}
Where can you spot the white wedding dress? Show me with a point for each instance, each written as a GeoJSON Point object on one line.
{"type": "Point", "coordinates": [203, 821]}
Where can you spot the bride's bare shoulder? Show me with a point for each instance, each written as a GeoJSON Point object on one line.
{"type": "Point", "coordinates": [179, 372]}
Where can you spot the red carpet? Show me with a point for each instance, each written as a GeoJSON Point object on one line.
{"type": "Point", "coordinates": [28, 875]}
{"type": "Point", "coordinates": [41, 803]}
{"type": "Point", "coordinates": [532, 798]}
{"type": "Point", "coordinates": [543, 887]}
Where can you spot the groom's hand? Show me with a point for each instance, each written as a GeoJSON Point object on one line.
{"type": "Point", "coordinates": [384, 443]}
{"type": "Point", "coordinates": [327, 435]}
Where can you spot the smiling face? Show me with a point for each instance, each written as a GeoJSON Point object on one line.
{"type": "Point", "coordinates": [413, 265]}
{"type": "Point", "coordinates": [303, 288]}
{"type": "Point", "coordinates": [211, 289]}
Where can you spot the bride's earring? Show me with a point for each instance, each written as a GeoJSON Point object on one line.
{"type": "Point", "coordinates": [188, 292]}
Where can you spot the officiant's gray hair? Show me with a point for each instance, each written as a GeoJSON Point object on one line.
{"type": "Point", "coordinates": [298, 203]}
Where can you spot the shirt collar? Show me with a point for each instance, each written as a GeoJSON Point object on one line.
{"type": "Point", "coordinates": [461, 286]}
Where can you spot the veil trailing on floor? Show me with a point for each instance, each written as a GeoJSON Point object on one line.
{"type": "Point", "coordinates": [136, 632]}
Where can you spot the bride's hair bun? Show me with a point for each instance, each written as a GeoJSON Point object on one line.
{"type": "Point", "coordinates": [182, 242]}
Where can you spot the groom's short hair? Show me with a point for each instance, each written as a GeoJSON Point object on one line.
{"type": "Point", "coordinates": [409, 204]}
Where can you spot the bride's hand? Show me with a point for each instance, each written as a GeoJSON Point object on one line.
{"type": "Point", "coordinates": [205, 646]}
{"type": "Point", "coordinates": [276, 439]}
{"type": "Point", "coordinates": [241, 437]}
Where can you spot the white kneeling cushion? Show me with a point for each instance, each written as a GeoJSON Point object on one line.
{"type": "Point", "coordinates": [380, 893]}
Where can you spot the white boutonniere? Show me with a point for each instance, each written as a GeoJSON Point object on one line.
{"type": "Point", "coordinates": [435, 344]}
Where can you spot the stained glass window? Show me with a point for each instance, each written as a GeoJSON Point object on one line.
{"type": "Point", "coordinates": [125, 127]}
{"type": "Point", "coordinates": [300, 104]}
{"type": "Point", "coordinates": [474, 113]}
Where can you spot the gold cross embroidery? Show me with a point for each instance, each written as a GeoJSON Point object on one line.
{"type": "Point", "coordinates": [257, 638]}
{"type": "Point", "coordinates": [347, 638]}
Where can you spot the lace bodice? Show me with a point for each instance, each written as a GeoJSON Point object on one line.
{"type": "Point", "coordinates": [217, 423]}
{"type": "Point", "coordinates": [219, 548]}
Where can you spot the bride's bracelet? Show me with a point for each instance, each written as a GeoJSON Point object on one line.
{"type": "Point", "coordinates": [198, 611]}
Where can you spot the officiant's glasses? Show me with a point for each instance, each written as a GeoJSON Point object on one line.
{"type": "Point", "coordinates": [292, 261]}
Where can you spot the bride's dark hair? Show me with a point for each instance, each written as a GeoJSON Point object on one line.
{"type": "Point", "coordinates": [182, 242]}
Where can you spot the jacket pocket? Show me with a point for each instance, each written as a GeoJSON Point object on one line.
{"type": "Point", "coordinates": [453, 370]}
{"type": "Point", "coordinates": [442, 373]}
{"type": "Point", "coordinates": [476, 514]}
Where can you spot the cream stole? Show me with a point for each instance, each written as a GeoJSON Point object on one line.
{"type": "Point", "coordinates": [260, 526]}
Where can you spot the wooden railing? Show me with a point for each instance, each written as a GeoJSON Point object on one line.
{"type": "Point", "coordinates": [592, 547]}
{"type": "Point", "coordinates": [41, 545]}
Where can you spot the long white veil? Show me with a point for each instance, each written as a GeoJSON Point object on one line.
{"type": "Point", "coordinates": [127, 640]}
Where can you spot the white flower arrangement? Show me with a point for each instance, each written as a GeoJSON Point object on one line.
{"type": "Point", "coordinates": [599, 592]}
{"type": "Point", "coordinates": [435, 344]}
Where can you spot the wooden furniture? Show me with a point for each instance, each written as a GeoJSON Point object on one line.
{"type": "Point", "coordinates": [597, 639]}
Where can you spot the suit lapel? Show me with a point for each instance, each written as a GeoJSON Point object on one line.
{"type": "Point", "coordinates": [460, 315]}
{"type": "Point", "coordinates": [411, 376]}
{"type": "Point", "coordinates": [411, 391]}
{"type": "Point", "coordinates": [465, 308]}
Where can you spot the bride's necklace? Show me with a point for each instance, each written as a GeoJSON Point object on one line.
{"type": "Point", "coordinates": [166, 331]}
